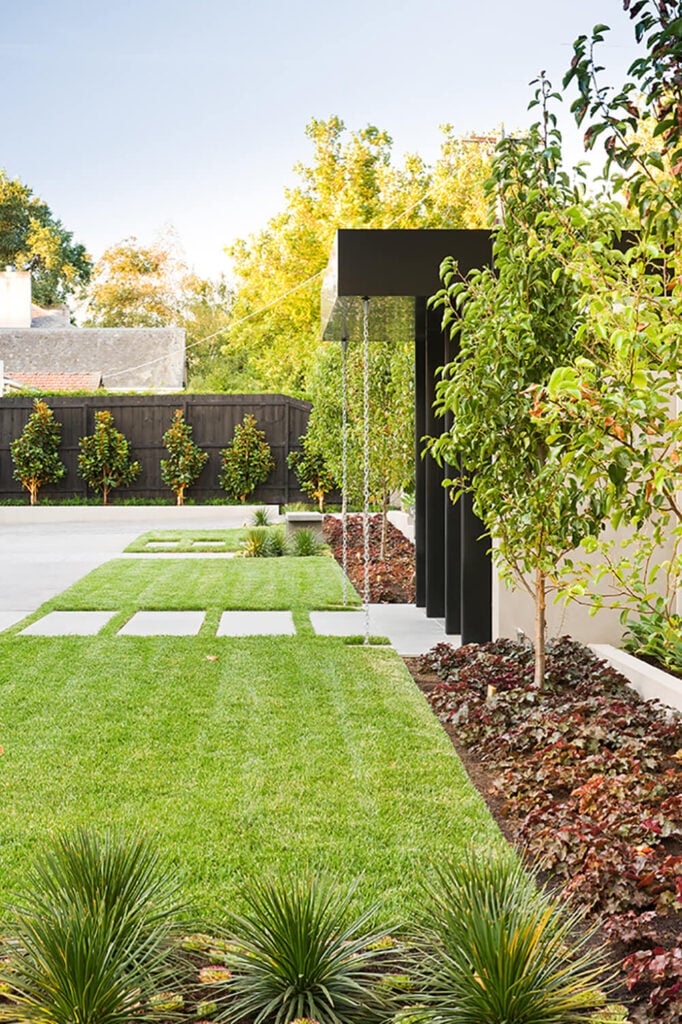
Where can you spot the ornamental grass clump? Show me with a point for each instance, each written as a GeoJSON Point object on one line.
{"type": "Point", "coordinates": [91, 939]}
{"type": "Point", "coordinates": [496, 950]}
{"type": "Point", "coordinates": [301, 954]}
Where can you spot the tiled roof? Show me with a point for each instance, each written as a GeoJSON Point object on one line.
{"type": "Point", "coordinates": [58, 381]}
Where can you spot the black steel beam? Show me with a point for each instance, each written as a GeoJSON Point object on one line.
{"type": "Point", "coordinates": [419, 466]}
{"type": "Point", "coordinates": [476, 606]}
{"type": "Point", "coordinates": [434, 495]}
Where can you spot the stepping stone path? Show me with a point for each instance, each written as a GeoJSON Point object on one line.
{"type": "Point", "coordinates": [163, 624]}
{"type": "Point", "coordinates": [68, 624]}
{"type": "Point", "coordinates": [256, 624]}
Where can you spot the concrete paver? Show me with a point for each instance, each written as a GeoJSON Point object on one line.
{"type": "Point", "coordinates": [163, 624]}
{"type": "Point", "coordinates": [256, 624]}
{"type": "Point", "coordinates": [68, 624]}
{"type": "Point", "coordinates": [407, 627]}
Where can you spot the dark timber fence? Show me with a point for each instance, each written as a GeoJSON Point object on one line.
{"type": "Point", "coordinates": [144, 419]}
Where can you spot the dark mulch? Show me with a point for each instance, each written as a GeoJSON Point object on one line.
{"type": "Point", "coordinates": [391, 579]}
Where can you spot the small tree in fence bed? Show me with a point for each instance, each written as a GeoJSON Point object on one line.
{"type": "Point", "coordinates": [247, 460]}
{"type": "Point", "coordinates": [312, 471]}
{"type": "Point", "coordinates": [105, 460]}
{"type": "Point", "coordinates": [185, 458]}
{"type": "Point", "coordinates": [36, 453]}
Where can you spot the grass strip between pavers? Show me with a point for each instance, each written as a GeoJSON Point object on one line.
{"type": "Point", "coordinates": [276, 584]}
{"type": "Point", "coordinates": [244, 756]}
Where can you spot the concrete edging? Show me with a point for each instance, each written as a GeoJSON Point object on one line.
{"type": "Point", "coordinates": [650, 682]}
{"type": "Point", "coordinates": [184, 516]}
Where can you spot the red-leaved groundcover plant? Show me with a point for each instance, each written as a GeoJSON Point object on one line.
{"type": "Point", "coordinates": [590, 779]}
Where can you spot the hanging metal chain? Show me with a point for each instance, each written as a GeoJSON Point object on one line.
{"type": "Point", "coordinates": [365, 445]}
{"type": "Point", "coordinates": [344, 463]}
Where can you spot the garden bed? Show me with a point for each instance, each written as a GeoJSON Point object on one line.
{"type": "Point", "coordinates": [587, 779]}
{"type": "Point", "coordinates": [391, 579]}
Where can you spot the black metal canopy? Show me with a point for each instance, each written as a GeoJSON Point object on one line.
{"type": "Point", "coordinates": [399, 270]}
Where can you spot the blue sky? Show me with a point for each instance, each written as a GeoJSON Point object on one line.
{"type": "Point", "coordinates": [133, 115]}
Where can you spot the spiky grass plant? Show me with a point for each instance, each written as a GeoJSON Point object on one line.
{"type": "Point", "coordinates": [260, 517]}
{"type": "Point", "coordinates": [495, 949]}
{"type": "Point", "coordinates": [301, 954]}
{"type": "Point", "coordinates": [305, 543]}
{"type": "Point", "coordinates": [91, 941]}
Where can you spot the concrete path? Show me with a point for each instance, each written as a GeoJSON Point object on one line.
{"type": "Point", "coordinates": [43, 550]}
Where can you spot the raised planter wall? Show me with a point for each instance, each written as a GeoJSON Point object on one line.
{"type": "Point", "coordinates": [650, 682]}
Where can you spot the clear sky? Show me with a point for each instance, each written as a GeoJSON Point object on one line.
{"type": "Point", "coordinates": [128, 116]}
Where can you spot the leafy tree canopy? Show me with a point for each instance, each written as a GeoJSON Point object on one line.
{"type": "Point", "coordinates": [31, 238]}
{"type": "Point", "coordinates": [352, 182]}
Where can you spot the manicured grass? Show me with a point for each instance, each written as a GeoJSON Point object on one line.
{"type": "Point", "coordinates": [281, 753]}
{"type": "Point", "coordinates": [189, 540]}
{"type": "Point", "coordinates": [248, 583]}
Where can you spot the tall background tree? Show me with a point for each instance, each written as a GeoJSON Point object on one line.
{"type": "Point", "coordinates": [351, 182]}
{"type": "Point", "coordinates": [31, 238]}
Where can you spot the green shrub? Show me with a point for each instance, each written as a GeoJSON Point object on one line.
{"type": "Point", "coordinates": [185, 458]}
{"type": "Point", "coordinates": [91, 939]}
{"type": "Point", "coordinates": [36, 453]}
{"type": "Point", "coordinates": [300, 954]}
{"type": "Point", "coordinates": [312, 472]}
{"type": "Point", "coordinates": [247, 461]}
{"type": "Point", "coordinates": [305, 543]}
{"type": "Point", "coordinates": [105, 460]}
{"type": "Point", "coordinates": [496, 949]}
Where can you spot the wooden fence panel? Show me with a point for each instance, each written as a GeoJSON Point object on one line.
{"type": "Point", "coordinates": [144, 419]}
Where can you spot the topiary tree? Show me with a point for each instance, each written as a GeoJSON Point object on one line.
{"type": "Point", "coordinates": [312, 471]}
{"type": "Point", "coordinates": [105, 460]}
{"type": "Point", "coordinates": [36, 453]}
{"type": "Point", "coordinates": [186, 459]}
{"type": "Point", "coordinates": [247, 460]}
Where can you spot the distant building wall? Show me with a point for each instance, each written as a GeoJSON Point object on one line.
{"type": "Point", "coordinates": [129, 358]}
{"type": "Point", "coordinates": [15, 298]}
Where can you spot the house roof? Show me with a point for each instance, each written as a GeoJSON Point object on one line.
{"type": "Point", "coordinates": [58, 381]}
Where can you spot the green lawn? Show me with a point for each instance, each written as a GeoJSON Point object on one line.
{"type": "Point", "coordinates": [189, 540]}
{"type": "Point", "coordinates": [183, 584]}
{"type": "Point", "coordinates": [282, 752]}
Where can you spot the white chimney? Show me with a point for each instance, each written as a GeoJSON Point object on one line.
{"type": "Point", "coordinates": [15, 298]}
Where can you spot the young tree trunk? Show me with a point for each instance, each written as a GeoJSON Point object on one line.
{"type": "Point", "coordinates": [105, 494]}
{"type": "Point", "coordinates": [320, 500]}
{"type": "Point", "coordinates": [384, 525]}
{"type": "Point", "coordinates": [33, 492]}
{"type": "Point", "coordinates": [180, 496]}
{"type": "Point", "coordinates": [540, 625]}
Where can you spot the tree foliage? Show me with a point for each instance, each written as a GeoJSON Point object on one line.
{"type": "Point", "coordinates": [312, 472]}
{"type": "Point", "coordinates": [351, 182]}
{"type": "Point", "coordinates": [36, 453]}
{"type": "Point", "coordinates": [105, 459]}
{"type": "Point", "coordinates": [246, 461]}
{"type": "Point", "coordinates": [512, 324]}
{"type": "Point", "coordinates": [185, 458]}
{"type": "Point", "coordinates": [31, 238]}
{"type": "Point", "coordinates": [620, 400]}
{"type": "Point", "coordinates": [136, 285]}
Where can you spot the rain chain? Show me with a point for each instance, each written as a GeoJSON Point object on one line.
{"type": "Point", "coordinates": [365, 439]}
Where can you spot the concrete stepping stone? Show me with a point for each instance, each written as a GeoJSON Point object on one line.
{"type": "Point", "coordinates": [163, 624]}
{"type": "Point", "coordinates": [256, 624]}
{"type": "Point", "coordinates": [407, 628]}
{"type": "Point", "coordinates": [68, 624]}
